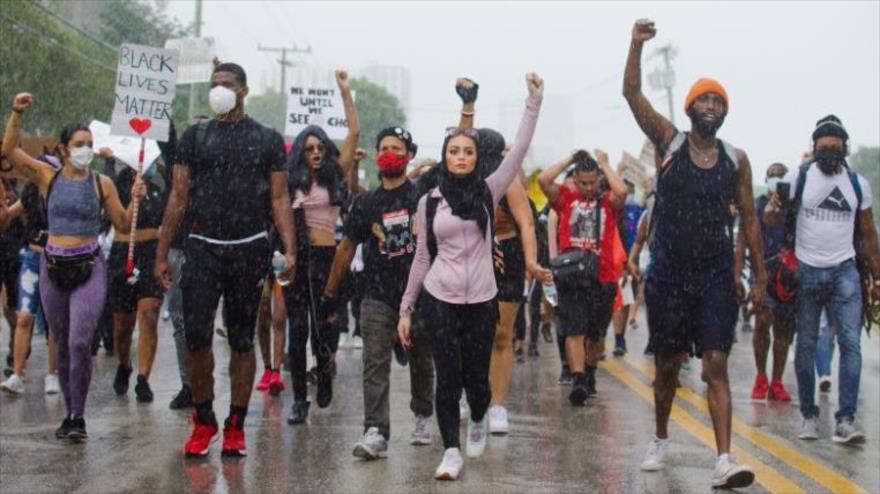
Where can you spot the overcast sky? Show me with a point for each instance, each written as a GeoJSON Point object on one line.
{"type": "Point", "coordinates": [784, 64]}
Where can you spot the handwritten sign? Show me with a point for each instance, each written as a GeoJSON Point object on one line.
{"type": "Point", "coordinates": [145, 85]}
{"type": "Point", "coordinates": [315, 106]}
{"type": "Point", "coordinates": [125, 149]}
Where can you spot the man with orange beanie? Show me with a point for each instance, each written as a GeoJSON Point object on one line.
{"type": "Point", "coordinates": [690, 292]}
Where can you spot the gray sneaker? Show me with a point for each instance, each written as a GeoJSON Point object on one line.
{"type": "Point", "coordinates": [810, 429]}
{"type": "Point", "coordinates": [846, 433]}
{"type": "Point", "coordinates": [421, 435]}
{"type": "Point", "coordinates": [371, 446]}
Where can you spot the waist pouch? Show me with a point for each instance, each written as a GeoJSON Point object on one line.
{"type": "Point", "coordinates": [782, 283]}
{"type": "Point", "coordinates": [575, 269]}
{"type": "Point", "coordinates": [69, 272]}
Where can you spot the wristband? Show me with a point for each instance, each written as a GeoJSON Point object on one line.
{"type": "Point", "coordinates": [467, 113]}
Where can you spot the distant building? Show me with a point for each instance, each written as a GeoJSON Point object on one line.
{"type": "Point", "coordinates": [395, 79]}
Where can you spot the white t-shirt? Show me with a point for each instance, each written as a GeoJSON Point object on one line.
{"type": "Point", "coordinates": [827, 216]}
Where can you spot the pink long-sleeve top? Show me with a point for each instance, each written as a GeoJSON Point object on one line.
{"type": "Point", "coordinates": [462, 272]}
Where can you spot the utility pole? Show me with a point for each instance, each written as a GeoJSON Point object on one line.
{"type": "Point", "coordinates": [192, 87]}
{"type": "Point", "coordinates": [284, 64]}
{"type": "Point", "coordinates": [663, 78]}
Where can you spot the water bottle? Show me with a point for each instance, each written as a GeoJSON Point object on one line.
{"type": "Point", "coordinates": [550, 294]}
{"type": "Point", "coordinates": [279, 265]}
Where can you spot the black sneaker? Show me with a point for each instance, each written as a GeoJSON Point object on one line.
{"type": "Point", "coordinates": [546, 333]}
{"type": "Point", "coordinates": [520, 356]}
{"type": "Point", "coordinates": [324, 394]}
{"type": "Point", "coordinates": [619, 346]}
{"type": "Point", "coordinates": [591, 385]}
{"type": "Point", "coordinates": [182, 400]}
{"type": "Point", "coordinates": [77, 429]}
{"type": "Point", "coordinates": [400, 354]}
{"type": "Point", "coordinates": [578, 395]}
{"type": "Point", "coordinates": [298, 412]}
{"type": "Point", "coordinates": [533, 349]}
{"type": "Point", "coordinates": [61, 432]}
{"type": "Point", "coordinates": [142, 390]}
{"type": "Point", "coordinates": [120, 382]}
{"type": "Point", "coordinates": [565, 378]}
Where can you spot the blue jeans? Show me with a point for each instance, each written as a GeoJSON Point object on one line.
{"type": "Point", "coordinates": [837, 290]}
{"type": "Point", "coordinates": [825, 347]}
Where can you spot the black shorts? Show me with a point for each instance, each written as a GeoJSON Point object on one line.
{"type": "Point", "coordinates": [9, 272]}
{"type": "Point", "coordinates": [586, 311]}
{"type": "Point", "coordinates": [236, 272]}
{"type": "Point", "coordinates": [511, 283]}
{"type": "Point", "coordinates": [693, 318]}
{"type": "Point", "coordinates": [122, 295]}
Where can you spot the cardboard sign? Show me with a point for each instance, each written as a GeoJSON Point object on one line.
{"type": "Point", "coordinates": [145, 86]}
{"type": "Point", "coordinates": [125, 149]}
{"type": "Point", "coordinates": [196, 59]}
{"type": "Point", "coordinates": [320, 106]}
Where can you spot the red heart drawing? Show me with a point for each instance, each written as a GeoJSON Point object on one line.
{"type": "Point", "coordinates": [140, 125]}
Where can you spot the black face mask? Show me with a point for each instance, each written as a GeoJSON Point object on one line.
{"type": "Point", "coordinates": [830, 161]}
{"type": "Point", "coordinates": [704, 129]}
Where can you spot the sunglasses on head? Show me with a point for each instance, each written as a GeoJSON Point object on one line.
{"type": "Point", "coordinates": [315, 148]}
{"type": "Point", "coordinates": [458, 131]}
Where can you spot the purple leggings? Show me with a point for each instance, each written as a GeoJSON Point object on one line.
{"type": "Point", "coordinates": [73, 318]}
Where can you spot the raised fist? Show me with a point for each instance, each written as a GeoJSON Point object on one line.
{"type": "Point", "coordinates": [643, 30]}
{"type": "Point", "coordinates": [535, 84]}
{"type": "Point", "coordinates": [466, 89]}
{"type": "Point", "coordinates": [21, 102]}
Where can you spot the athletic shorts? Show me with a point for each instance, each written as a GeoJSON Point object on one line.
{"type": "Point", "coordinates": [586, 311]}
{"type": "Point", "coordinates": [511, 283]}
{"type": "Point", "coordinates": [693, 318]}
{"type": "Point", "coordinates": [235, 272]}
{"type": "Point", "coordinates": [123, 296]}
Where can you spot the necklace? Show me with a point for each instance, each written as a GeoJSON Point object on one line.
{"type": "Point", "coordinates": [703, 155]}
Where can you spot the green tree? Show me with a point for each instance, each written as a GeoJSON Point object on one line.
{"type": "Point", "coordinates": [867, 162]}
{"type": "Point", "coordinates": [267, 108]}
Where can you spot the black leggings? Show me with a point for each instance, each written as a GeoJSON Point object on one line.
{"type": "Point", "coordinates": [303, 304]}
{"type": "Point", "coordinates": [462, 336]}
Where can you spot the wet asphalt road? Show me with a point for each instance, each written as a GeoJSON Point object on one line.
{"type": "Point", "coordinates": [552, 447]}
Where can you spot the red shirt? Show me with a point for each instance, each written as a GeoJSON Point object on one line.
{"type": "Point", "coordinates": [577, 228]}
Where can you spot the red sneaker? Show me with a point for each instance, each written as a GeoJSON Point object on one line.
{"type": "Point", "coordinates": [759, 390]}
{"type": "Point", "coordinates": [263, 385]}
{"type": "Point", "coordinates": [202, 436]}
{"type": "Point", "coordinates": [778, 392]}
{"type": "Point", "coordinates": [276, 385]}
{"type": "Point", "coordinates": [233, 438]}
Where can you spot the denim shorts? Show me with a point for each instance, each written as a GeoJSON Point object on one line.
{"type": "Point", "coordinates": [29, 285]}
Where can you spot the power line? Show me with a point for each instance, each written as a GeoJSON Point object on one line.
{"type": "Point", "coordinates": [283, 60]}
{"type": "Point", "coordinates": [42, 37]}
{"type": "Point", "coordinates": [75, 27]}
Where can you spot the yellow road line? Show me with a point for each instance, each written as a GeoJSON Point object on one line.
{"type": "Point", "coordinates": [811, 467]}
{"type": "Point", "coordinates": [764, 474]}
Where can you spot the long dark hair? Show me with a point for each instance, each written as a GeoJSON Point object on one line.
{"type": "Point", "coordinates": [469, 197]}
{"type": "Point", "coordinates": [329, 175]}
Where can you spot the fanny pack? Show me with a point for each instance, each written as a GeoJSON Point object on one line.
{"type": "Point", "coordinates": [575, 269]}
{"type": "Point", "coordinates": [69, 272]}
{"type": "Point", "coordinates": [782, 280]}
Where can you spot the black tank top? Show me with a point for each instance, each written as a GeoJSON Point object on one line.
{"type": "Point", "coordinates": [693, 230]}
{"type": "Point", "coordinates": [151, 208]}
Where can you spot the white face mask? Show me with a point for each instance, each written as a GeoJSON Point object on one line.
{"type": "Point", "coordinates": [221, 99]}
{"type": "Point", "coordinates": [772, 182]}
{"type": "Point", "coordinates": [81, 157]}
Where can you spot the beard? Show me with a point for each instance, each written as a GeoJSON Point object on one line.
{"type": "Point", "coordinates": [702, 127]}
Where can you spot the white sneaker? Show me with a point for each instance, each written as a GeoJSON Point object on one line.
{"type": "Point", "coordinates": [464, 410]}
{"type": "Point", "coordinates": [421, 435]}
{"type": "Point", "coordinates": [357, 342]}
{"type": "Point", "coordinates": [373, 445]}
{"type": "Point", "coordinates": [344, 340]}
{"type": "Point", "coordinates": [731, 475]}
{"type": "Point", "coordinates": [498, 424]}
{"type": "Point", "coordinates": [51, 384]}
{"type": "Point", "coordinates": [14, 385]}
{"type": "Point", "coordinates": [451, 465]}
{"type": "Point", "coordinates": [476, 438]}
{"type": "Point", "coordinates": [655, 455]}
{"type": "Point", "coordinates": [810, 429]}
{"type": "Point", "coordinates": [846, 432]}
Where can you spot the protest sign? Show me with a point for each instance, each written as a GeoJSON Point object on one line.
{"type": "Point", "coordinates": [320, 106]}
{"type": "Point", "coordinates": [196, 59]}
{"type": "Point", "coordinates": [145, 86]}
{"type": "Point", "coordinates": [125, 149]}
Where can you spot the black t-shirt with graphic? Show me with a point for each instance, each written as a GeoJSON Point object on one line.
{"type": "Point", "coordinates": [230, 167]}
{"type": "Point", "coordinates": [384, 222]}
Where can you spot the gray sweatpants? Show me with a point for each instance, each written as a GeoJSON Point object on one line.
{"type": "Point", "coordinates": [379, 331]}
